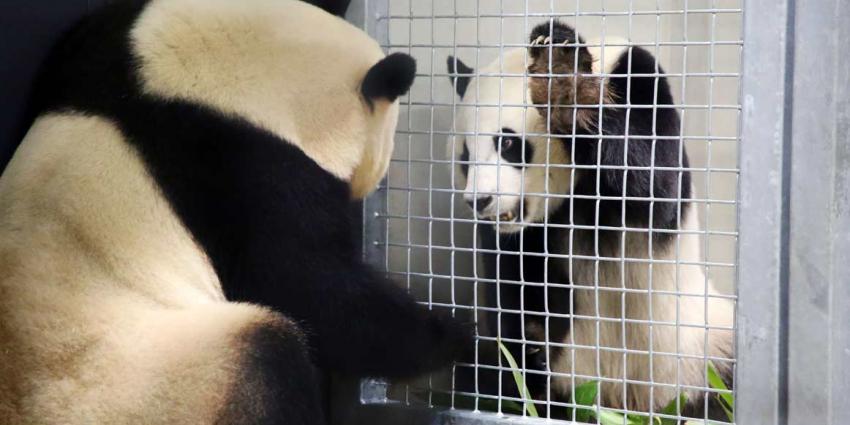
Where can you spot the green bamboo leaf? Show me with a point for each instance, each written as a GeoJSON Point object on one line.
{"type": "Point", "coordinates": [585, 395]}
{"type": "Point", "coordinates": [607, 417]}
{"type": "Point", "coordinates": [673, 408]}
{"type": "Point", "coordinates": [520, 381]}
{"type": "Point", "coordinates": [724, 398]}
{"type": "Point", "coordinates": [638, 419]}
{"type": "Point", "coordinates": [717, 383]}
{"type": "Point", "coordinates": [510, 406]}
{"type": "Point", "coordinates": [729, 413]}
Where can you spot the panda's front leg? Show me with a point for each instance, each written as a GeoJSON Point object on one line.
{"type": "Point", "coordinates": [361, 324]}
{"type": "Point", "coordinates": [561, 83]}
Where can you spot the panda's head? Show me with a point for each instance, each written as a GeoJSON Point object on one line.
{"type": "Point", "coordinates": [501, 150]}
{"type": "Point", "coordinates": [305, 75]}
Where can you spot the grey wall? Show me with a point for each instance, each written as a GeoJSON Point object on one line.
{"type": "Point", "coordinates": [28, 28]}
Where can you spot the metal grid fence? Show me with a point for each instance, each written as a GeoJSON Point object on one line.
{"type": "Point", "coordinates": [420, 230]}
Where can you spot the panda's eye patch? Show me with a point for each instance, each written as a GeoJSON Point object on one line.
{"type": "Point", "coordinates": [464, 160]}
{"type": "Point", "coordinates": [512, 147]}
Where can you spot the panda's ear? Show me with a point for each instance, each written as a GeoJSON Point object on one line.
{"type": "Point", "coordinates": [459, 74]}
{"type": "Point", "coordinates": [336, 7]}
{"type": "Point", "coordinates": [389, 78]}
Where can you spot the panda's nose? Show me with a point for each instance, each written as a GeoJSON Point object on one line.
{"type": "Point", "coordinates": [480, 204]}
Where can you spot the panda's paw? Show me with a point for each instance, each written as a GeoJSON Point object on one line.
{"type": "Point", "coordinates": [559, 38]}
{"type": "Point", "coordinates": [541, 40]}
{"type": "Point", "coordinates": [443, 340]}
{"type": "Point", "coordinates": [560, 71]}
{"type": "Point", "coordinates": [556, 49]}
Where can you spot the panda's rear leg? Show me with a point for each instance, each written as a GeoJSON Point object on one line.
{"type": "Point", "coordinates": [276, 382]}
{"type": "Point", "coordinates": [217, 362]}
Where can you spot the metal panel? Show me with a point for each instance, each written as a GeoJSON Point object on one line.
{"type": "Point", "coordinates": [794, 215]}
{"type": "Point", "coordinates": [762, 280]}
{"type": "Point", "coordinates": [819, 275]}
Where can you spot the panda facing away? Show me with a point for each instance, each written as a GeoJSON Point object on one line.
{"type": "Point", "coordinates": [175, 244]}
{"type": "Point", "coordinates": [597, 249]}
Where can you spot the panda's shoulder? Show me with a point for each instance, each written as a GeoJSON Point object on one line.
{"type": "Point", "coordinates": [70, 75]}
{"type": "Point", "coordinates": [634, 60]}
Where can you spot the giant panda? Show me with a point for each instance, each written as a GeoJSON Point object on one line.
{"type": "Point", "coordinates": [572, 303]}
{"type": "Point", "coordinates": [175, 238]}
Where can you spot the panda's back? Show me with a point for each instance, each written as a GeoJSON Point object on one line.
{"type": "Point", "coordinates": [74, 187]}
{"type": "Point", "coordinates": [70, 308]}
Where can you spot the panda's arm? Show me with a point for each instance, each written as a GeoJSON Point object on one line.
{"type": "Point", "coordinates": [652, 137]}
{"type": "Point", "coordinates": [624, 115]}
{"type": "Point", "coordinates": [358, 322]}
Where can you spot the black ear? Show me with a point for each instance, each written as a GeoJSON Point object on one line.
{"type": "Point", "coordinates": [462, 73]}
{"type": "Point", "coordinates": [389, 78]}
{"type": "Point", "coordinates": [336, 7]}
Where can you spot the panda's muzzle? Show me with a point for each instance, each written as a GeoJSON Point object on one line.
{"type": "Point", "coordinates": [505, 217]}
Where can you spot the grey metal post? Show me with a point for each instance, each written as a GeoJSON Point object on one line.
{"type": "Point", "coordinates": [762, 214]}
{"type": "Point", "coordinates": [819, 221]}
{"type": "Point", "coordinates": [794, 278]}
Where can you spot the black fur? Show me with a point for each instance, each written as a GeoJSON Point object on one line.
{"type": "Point", "coordinates": [642, 151]}
{"type": "Point", "coordinates": [276, 380]}
{"type": "Point", "coordinates": [274, 224]}
{"type": "Point", "coordinates": [561, 34]}
{"type": "Point", "coordinates": [660, 184]}
{"type": "Point", "coordinates": [389, 78]}
{"type": "Point", "coordinates": [336, 7]}
{"type": "Point", "coordinates": [522, 273]}
{"type": "Point", "coordinates": [462, 75]}
{"type": "Point", "coordinates": [514, 149]}
{"type": "Point", "coordinates": [464, 160]}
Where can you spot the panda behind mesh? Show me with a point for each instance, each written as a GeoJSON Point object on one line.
{"type": "Point", "coordinates": [589, 98]}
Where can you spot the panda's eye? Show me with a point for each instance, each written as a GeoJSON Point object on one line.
{"type": "Point", "coordinates": [506, 142]}
{"type": "Point", "coordinates": [512, 147]}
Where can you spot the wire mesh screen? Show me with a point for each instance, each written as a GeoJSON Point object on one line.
{"type": "Point", "coordinates": [565, 179]}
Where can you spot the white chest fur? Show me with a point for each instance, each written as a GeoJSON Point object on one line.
{"type": "Point", "coordinates": [642, 318]}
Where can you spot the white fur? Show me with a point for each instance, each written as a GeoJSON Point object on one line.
{"type": "Point", "coordinates": [489, 174]}
{"type": "Point", "coordinates": [109, 310]}
{"type": "Point", "coordinates": [99, 282]}
{"type": "Point", "coordinates": [282, 64]}
{"type": "Point", "coordinates": [692, 311]}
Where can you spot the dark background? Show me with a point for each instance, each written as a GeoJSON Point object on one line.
{"type": "Point", "coordinates": [28, 28]}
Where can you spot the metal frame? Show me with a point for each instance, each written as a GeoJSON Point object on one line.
{"type": "Point", "coordinates": [793, 315]}
{"type": "Point", "coordinates": [794, 279]}
{"type": "Point", "coordinates": [761, 212]}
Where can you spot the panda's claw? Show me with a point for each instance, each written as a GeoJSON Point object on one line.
{"type": "Point", "coordinates": [547, 40]}
{"type": "Point", "coordinates": [537, 41]}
